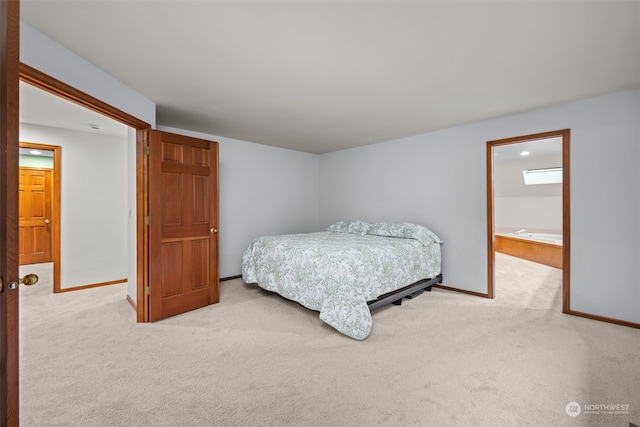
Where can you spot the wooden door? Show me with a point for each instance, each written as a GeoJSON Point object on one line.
{"type": "Point", "coordinates": [9, 115]}
{"type": "Point", "coordinates": [34, 215]}
{"type": "Point", "coordinates": [183, 224]}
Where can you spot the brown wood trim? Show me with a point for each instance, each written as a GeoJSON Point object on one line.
{"type": "Point", "coordinates": [133, 304]}
{"type": "Point", "coordinates": [9, 134]}
{"type": "Point", "coordinates": [47, 83]}
{"type": "Point", "coordinates": [94, 285]}
{"type": "Point", "coordinates": [462, 291]}
{"type": "Point", "coordinates": [142, 237]}
{"type": "Point", "coordinates": [491, 255]}
{"type": "Point", "coordinates": [532, 137]}
{"type": "Point", "coordinates": [55, 211]}
{"type": "Point", "coordinates": [605, 319]}
{"type": "Point", "coordinates": [224, 279]}
{"type": "Point", "coordinates": [566, 220]}
{"type": "Point", "coordinates": [566, 198]}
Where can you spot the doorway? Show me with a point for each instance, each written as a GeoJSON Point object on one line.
{"type": "Point", "coordinates": [560, 258]}
{"type": "Point", "coordinates": [90, 243]}
{"type": "Point", "coordinates": [42, 81]}
{"type": "Point", "coordinates": [47, 159]}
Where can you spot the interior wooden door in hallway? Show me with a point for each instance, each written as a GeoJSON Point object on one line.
{"type": "Point", "coordinates": [9, 131]}
{"type": "Point", "coordinates": [34, 215]}
{"type": "Point", "coordinates": [183, 224]}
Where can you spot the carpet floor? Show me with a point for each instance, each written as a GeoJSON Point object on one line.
{"type": "Point", "coordinates": [256, 359]}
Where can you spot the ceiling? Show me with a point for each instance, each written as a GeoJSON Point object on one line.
{"type": "Point", "coordinates": [42, 108]}
{"type": "Point", "coordinates": [548, 147]}
{"type": "Point", "coordinates": [323, 76]}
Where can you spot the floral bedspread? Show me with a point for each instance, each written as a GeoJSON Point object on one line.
{"type": "Point", "coordinates": [337, 273]}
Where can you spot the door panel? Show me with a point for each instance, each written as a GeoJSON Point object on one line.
{"type": "Point", "coordinates": [9, 100]}
{"type": "Point", "coordinates": [183, 222]}
{"type": "Point", "coordinates": [34, 213]}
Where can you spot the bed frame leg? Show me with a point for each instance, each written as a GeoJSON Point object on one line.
{"type": "Point", "coordinates": [415, 294]}
{"type": "Point", "coordinates": [397, 302]}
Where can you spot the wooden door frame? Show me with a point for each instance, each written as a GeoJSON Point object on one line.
{"type": "Point", "coordinates": [9, 131]}
{"type": "Point", "coordinates": [55, 206]}
{"type": "Point", "coordinates": [49, 84]}
{"type": "Point", "coordinates": [565, 134]}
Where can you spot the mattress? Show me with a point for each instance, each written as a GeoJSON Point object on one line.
{"type": "Point", "coordinates": [337, 273]}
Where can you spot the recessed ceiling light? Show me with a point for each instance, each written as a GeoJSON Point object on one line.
{"type": "Point", "coordinates": [524, 153]}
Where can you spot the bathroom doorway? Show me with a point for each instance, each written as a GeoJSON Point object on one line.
{"type": "Point", "coordinates": [545, 238]}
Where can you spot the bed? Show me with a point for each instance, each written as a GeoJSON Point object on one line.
{"type": "Point", "coordinates": [347, 270]}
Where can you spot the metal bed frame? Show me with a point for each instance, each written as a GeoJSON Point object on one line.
{"type": "Point", "coordinates": [411, 291]}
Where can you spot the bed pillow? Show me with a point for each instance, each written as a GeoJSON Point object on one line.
{"type": "Point", "coordinates": [353, 226]}
{"type": "Point", "coordinates": [405, 230]}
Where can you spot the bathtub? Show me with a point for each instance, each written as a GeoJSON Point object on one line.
{"type": "Point", "coordinates": [543, 248]}
{"type": "Point", "coordinates": [556, 239]}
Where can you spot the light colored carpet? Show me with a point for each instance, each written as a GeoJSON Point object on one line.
{"type": "Point", "coordinates": [256, 359]}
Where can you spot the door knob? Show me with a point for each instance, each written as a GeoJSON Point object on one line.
{"type": "Point", "coordinates": [214, 230]}
{"type": "Point", "coordinates": [28, 280]}
{"type": "Point", "coordinates": [46, 221]}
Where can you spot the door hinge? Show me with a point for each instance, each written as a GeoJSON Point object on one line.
{"type": "Point", "coordinates": [146, 220]}
{"type": "Point", "coordinates": [146, 150]}
{"type": "Point", "coordinates": [146, 290]}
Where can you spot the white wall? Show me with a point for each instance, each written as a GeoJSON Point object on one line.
{"type": "Point", "coordinates": [438, 179]}
{"type": "Point", "coordinates": [93, 204]}
{"type": "Point", "coordinates": [535, 214]}
{"type": "Point", "coordinates": [532, 207]}
{"type": "Point", "coordinates": [263, 190]}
